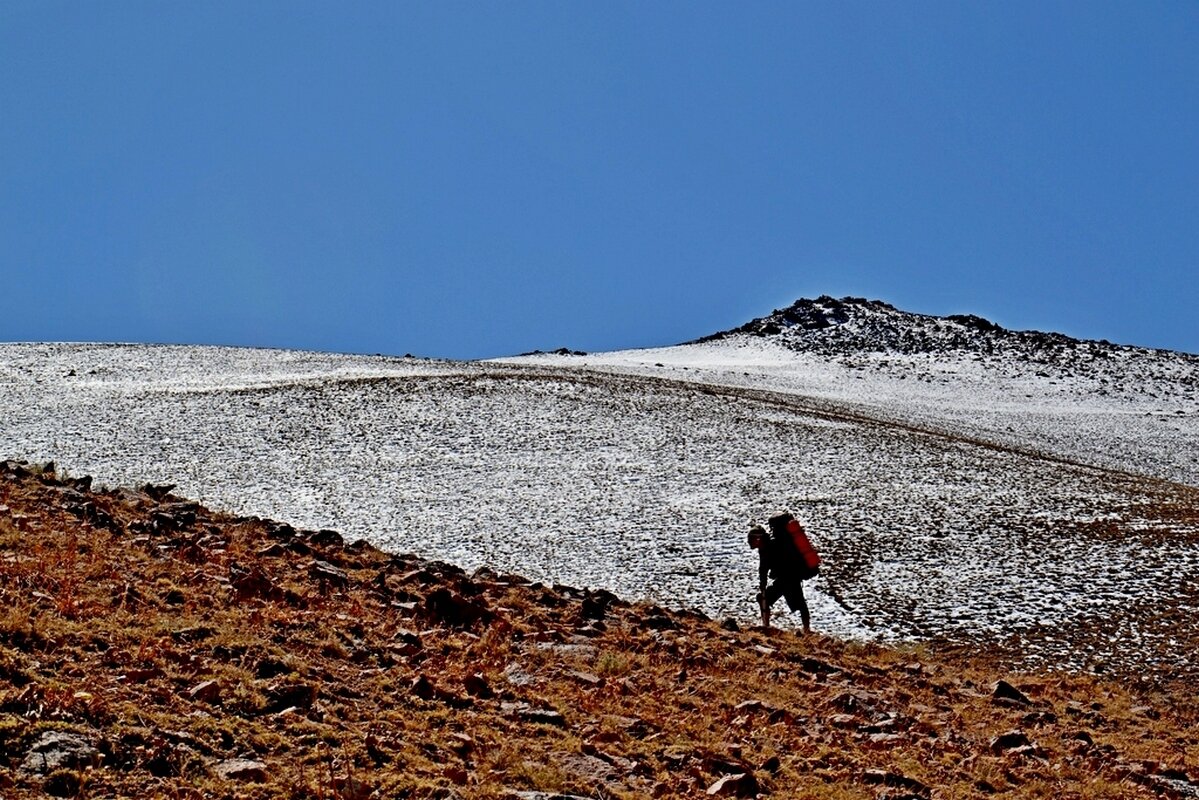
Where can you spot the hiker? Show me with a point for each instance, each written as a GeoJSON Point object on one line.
{"type": "Point", "coordinates": [787, 556]}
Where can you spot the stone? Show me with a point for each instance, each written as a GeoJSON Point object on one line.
{"type": "Point", "coordinates": [325, 538]}
{"type": "Point", "coordinates": [1004, 693]}
{"type": "Point", "coordinates": [289, 695]}
{"type": "Point", "coordinates": [422, 687]}
{"type": "Point", "coordinates": [905, 786]}
{"type": "Point", "coordinates": [279, 530]}
{"type": "Point", "coordinates": [137, 675]}
{"type": "Point", "coordinates": [451, 608]}
{"type": "Point", "coordinates": [595, 604]}
{"type": "Point", "coordinates": [206, 692]}
{"type": "Point", "coordinates": [1009, 741]}
{"type": "Point", "coordinates": [253, 583]}
{"type": "Point", "coordinates": [585, 678]}
{"type": "Point", "coordinates": [527, 713]}
{"type": "Point", "coordinates": [55, 750]}
{"type": "Point", "coordinates": [325, 573]}
{"type": "Point", "coordinates": [269, 667]}
{"type": "Point", "coordinates": [478, 686]}
{"type": "Point", "coordinates": [725, 765]}
{"type": "Point", "coordinates": [197, 633]}
{"type": "Point", "coordinates": [517, 675]}
{"type": "Point", "coordinates": [242, 769]}
{"type": "Point", "coordinates": [742, 784]}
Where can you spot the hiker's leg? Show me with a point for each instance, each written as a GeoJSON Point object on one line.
{"type": "Point", "coordinates": [804, 614]}
{"type": "Point", "coordinates": [768, 599]}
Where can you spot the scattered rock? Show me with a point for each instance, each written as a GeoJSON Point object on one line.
{"type": "Point", "coordinates": [197, 633]}
{"type": "Point", "coordinates": [268, 667]}
{"type": "Point", "coordinates": [253, 583]}
{"type": "Point", "coordinates": [1006, 694]}
{"type": "Point", "coordinates": [517, 675]}
{"type": "Point", "coordinates": [894, 780]}
{"type": "Point", "coordinates": [242, 769]}
{"type": "Point", "coordinates": [289, 695]}
{"type": "Point", "coordinates": [451, 608]}
{"type": "Point", "coordinates": [585, 678]}
{"type": "Point", "coordinates": [279, 530]}
{"type": "Point", "coordinates": [1009, 741]}
{"type": "Point", "coordinates": [422, 687]}
{"type": "Point", "coordinates": [328, 575]}
{"type": "Point", "coordinates": [206, 692]}
{"type": "Point", "coordinates": [595, 604]}
{"type": "Point", "coordinates": [739, 785]}
{"type": "Point", "coordinates": [527, 713]}
{"type": "Point", "coordinates": [55, 750]}
{"type": "Point", "coordinates": [477, 686]}
{"type": "Point", "coordinates": [324, 538]}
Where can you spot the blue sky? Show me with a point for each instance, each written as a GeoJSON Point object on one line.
{"type": "Point", "coordinates": [476, 179]}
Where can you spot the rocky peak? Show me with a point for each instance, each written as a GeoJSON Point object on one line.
{"type": "Point", "coordinates": [853, 324]}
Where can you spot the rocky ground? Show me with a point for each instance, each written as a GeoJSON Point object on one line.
{"type": "Point", "coordinates": [152, 647]}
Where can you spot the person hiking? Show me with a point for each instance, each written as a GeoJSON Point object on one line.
{"type": "Point", "coordinates": [787, 556]}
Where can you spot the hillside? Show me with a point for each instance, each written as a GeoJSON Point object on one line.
{"type": "Point", "coordinates": [1116, 406]}
{"type": "Point", "coordinates": [980, 499]}
{"type": "Point", "coordinates": [152, 647]}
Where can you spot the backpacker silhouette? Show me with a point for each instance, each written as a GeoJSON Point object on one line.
{"type": "Point", "coordinates": [785, 528]}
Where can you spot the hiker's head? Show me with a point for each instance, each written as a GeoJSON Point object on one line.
{"type": "Point", "coordinates": [757, 535]}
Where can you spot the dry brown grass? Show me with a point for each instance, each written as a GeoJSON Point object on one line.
{"type": "Point", "coordinates": [114, 616]}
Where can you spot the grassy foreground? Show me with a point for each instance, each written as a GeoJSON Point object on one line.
{"type": "Point", "coordinates": [150, 647]}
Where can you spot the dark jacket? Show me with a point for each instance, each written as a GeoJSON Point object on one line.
{"type": "Point", "coordinates": [777, 559]}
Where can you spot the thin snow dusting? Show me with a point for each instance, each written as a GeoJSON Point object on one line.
{"type": "Point", "coordinates": [949, 506]}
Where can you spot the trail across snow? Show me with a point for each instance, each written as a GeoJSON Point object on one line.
{"type": "Point", "coordinates": [640, 472]}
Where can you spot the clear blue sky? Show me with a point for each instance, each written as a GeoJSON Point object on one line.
{"type": "Point", "coordinates": [476, 179]}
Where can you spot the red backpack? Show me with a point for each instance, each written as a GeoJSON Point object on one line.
{"type": "Point", "coordinates": [811, 558]}
{"type": "Point", "coordinates": [787, 528]}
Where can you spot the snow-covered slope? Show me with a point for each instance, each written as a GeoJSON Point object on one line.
{"type": "Point", "coordinates": [919, 470]}
{"type": "Point", "coordinates": [1120, 407]}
